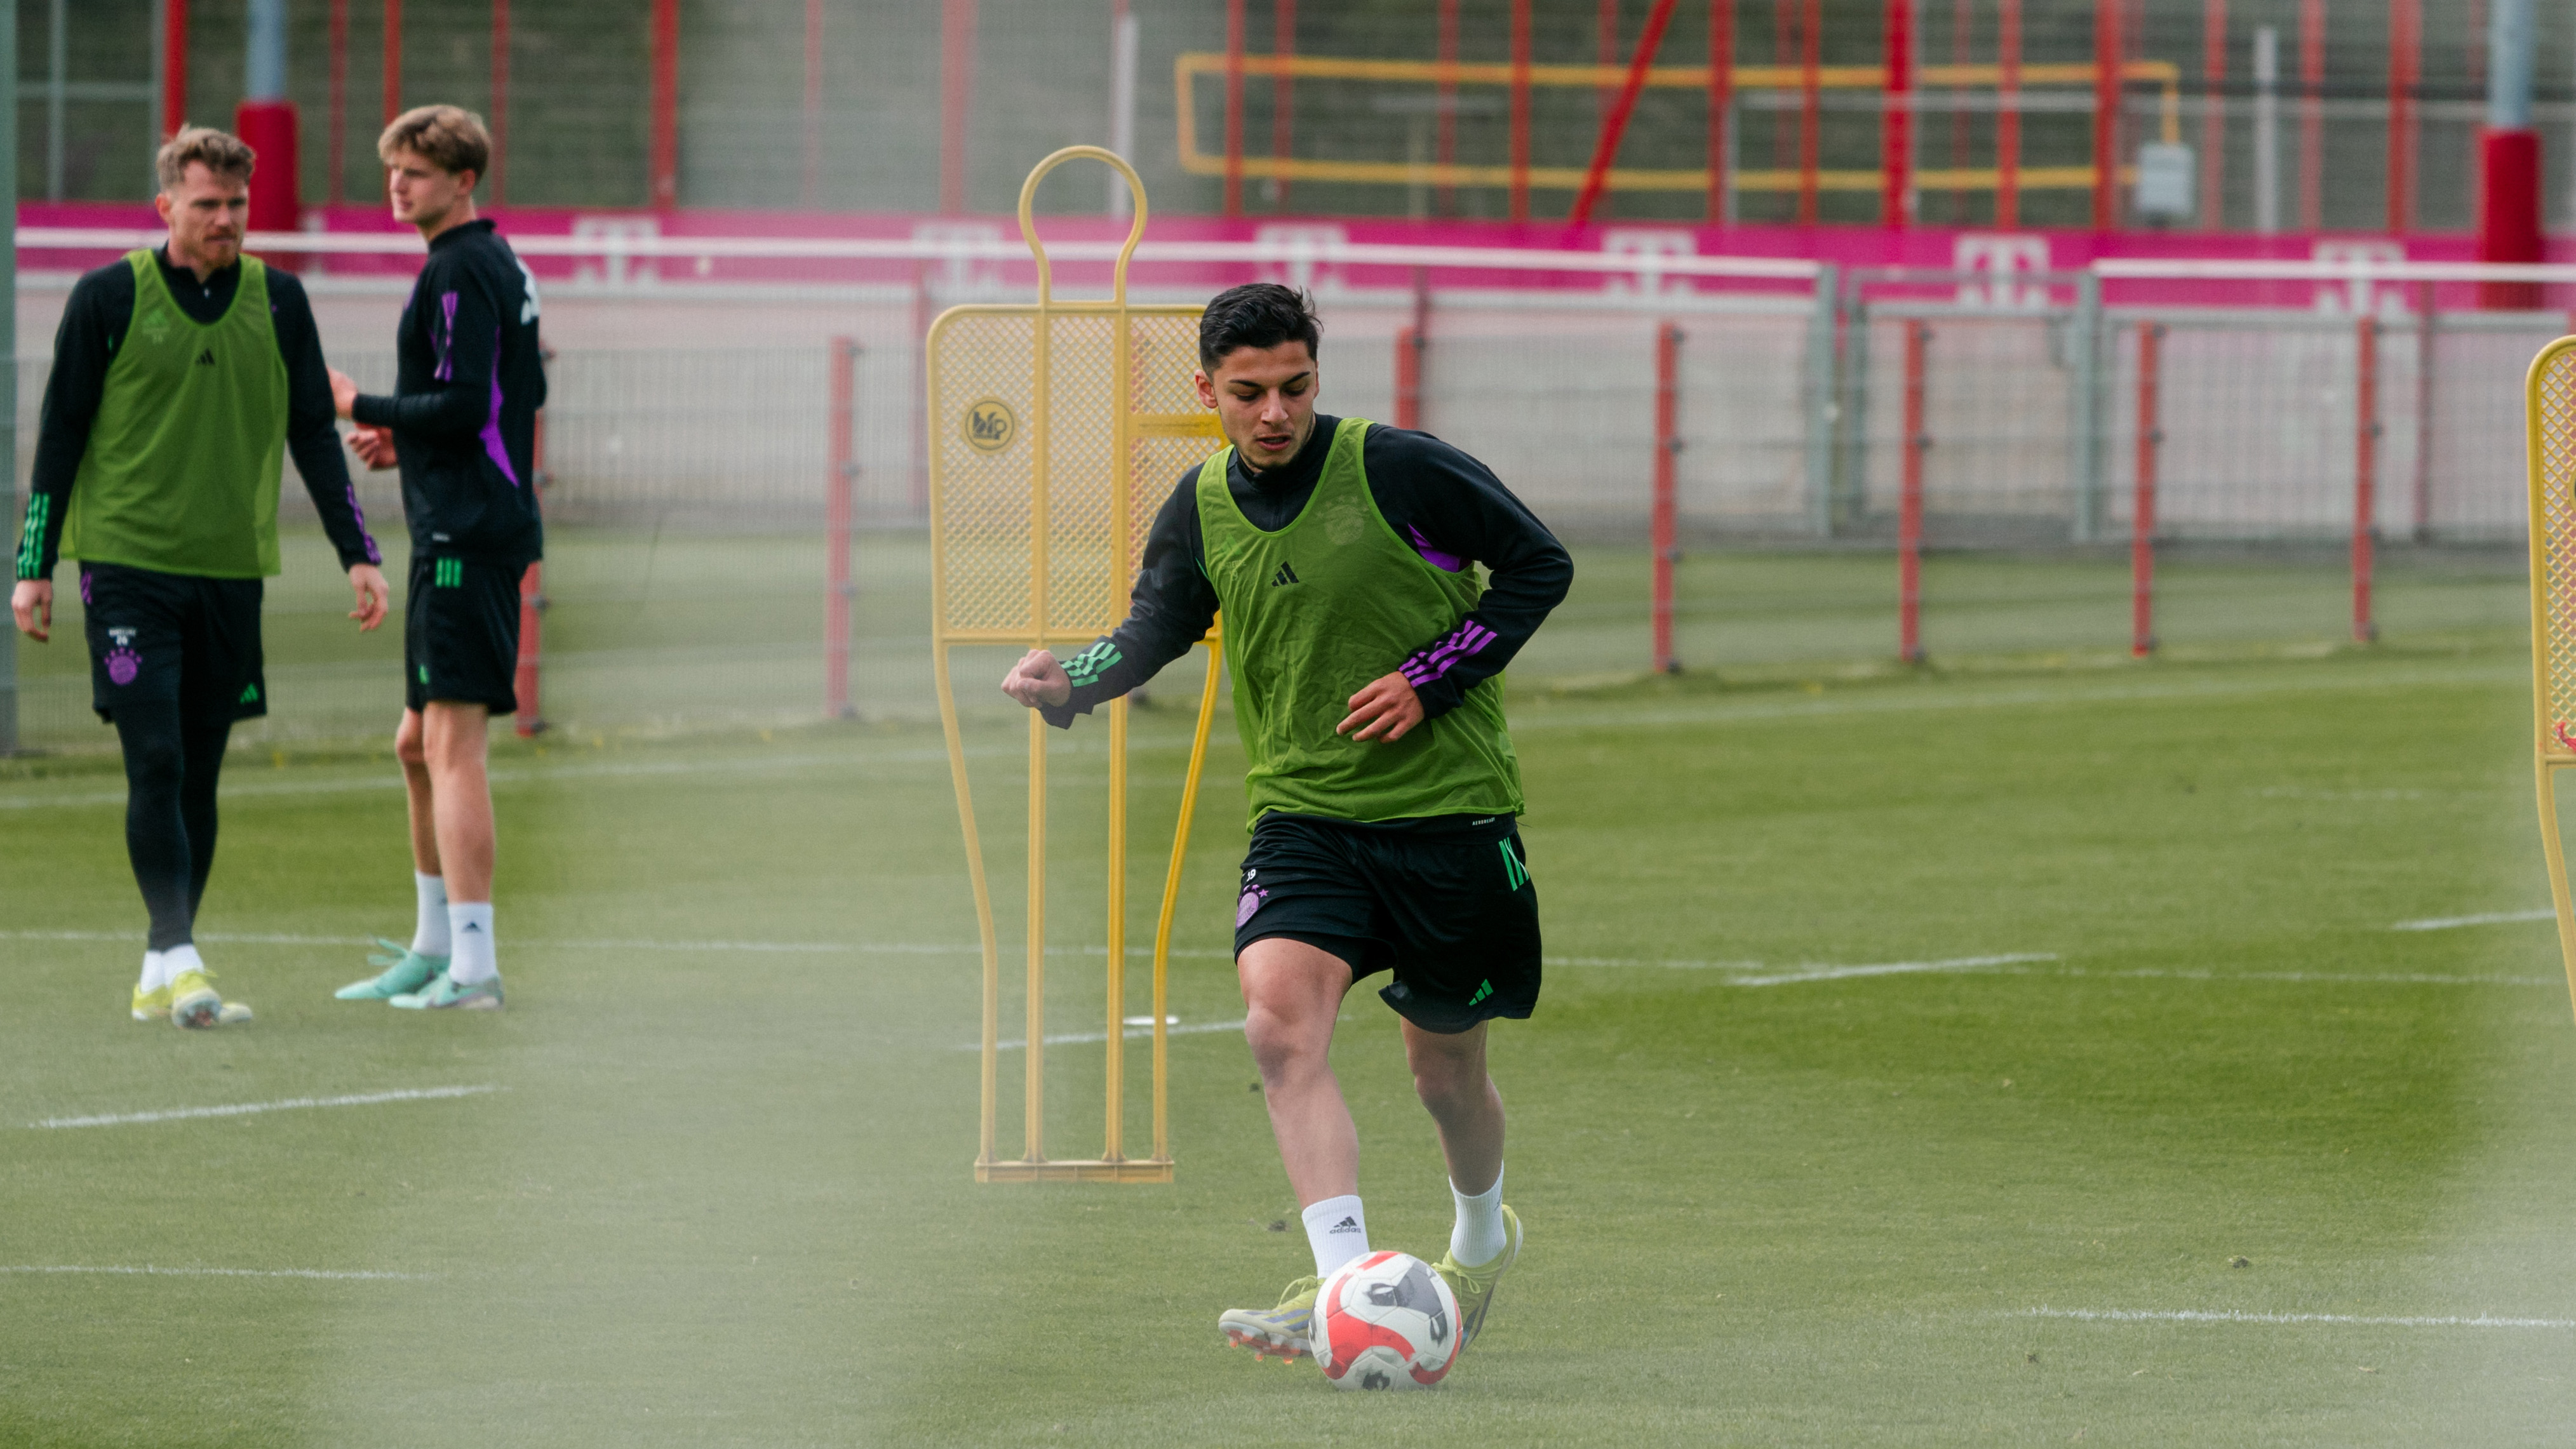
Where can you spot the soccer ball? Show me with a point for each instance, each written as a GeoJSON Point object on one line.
{"type": "Point", "coordinates": [1385, 1321]}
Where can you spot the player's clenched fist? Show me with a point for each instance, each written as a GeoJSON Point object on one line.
{"type": "Point", "coordinates": [1383, 711]}
{"type": "Point", "coordinates": [31, 603]}
{"type": "Point", "coordinates": [1037, 679]}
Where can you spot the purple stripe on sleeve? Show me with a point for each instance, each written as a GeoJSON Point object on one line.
{"type": "Point", "coordinates": [1433, 663]}
{"type": "Point", "coordinates": [443, 339]}
{"type": "Point", "coordinates": [360, 515]}
{"type": "Point", "coordinates": [492, 445]}
{"type": "Point", "coordinates": [1447, 563]}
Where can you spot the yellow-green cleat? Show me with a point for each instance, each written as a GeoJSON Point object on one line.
{"type": "Point", "coordinates": [1475, 1286]}
{"type": "Point", "coordinates": [1284, 1330]}
{"type": "Point", "coordinates": [152, 1005]}
{"type": "Point", "coordinates": [194, 1003]}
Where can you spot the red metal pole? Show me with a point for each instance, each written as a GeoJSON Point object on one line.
{"type": "Point", "coordinates": [2142, 521]}
{"type": "Point", "coordinates": [1234, 107]}
{"type": "Point", "coordinates": [1283, 92]}
{"type": "Point", "coordinates": [527, 679]}
{"type": "Point", "coordinates": [2405, 67]}
{"type": "Point", "coordinates": [393, 58]}
{"type": "Point", "coordinates": [1447, 197]}
{"type": "Point", "coordinates": [2427, 346]}
{"type": "Point", "coordinates": [1668, 446]}
{"type": "Point", "coordinates": [1810, 106]}
{"type": "Point", "coordinates": [1410, 343]}
{"type": "Point", "coordinates": [1520, 110]}
{"type": "Point", "coordinates": [1909, 509]}
{"type": "Point", "coordinates": [838, 590]}
{"type": "Point", "coordinates": [956, 95]}
{"type": "Point", "coordinates": [339, 99]}
{"type": "Point", "coordinates": [2213, 121]}
{"type": "Point", "coordinates": [1896, 118]}
{"type": "Point", "coordinates": [500, 101]}
{"type": "Point", "coordinates": [1606, 47]}
{"type": "Point", "coordinates": [2312, 113]}
{"type": "Point", "coordinates": [1721, 101]}
{"type": "Point", "coordinates": [174, 67]}
{"type": "Point", "coordinates": [2008, 115]}
{"type": "Point", "coordinates": [812, 189]}
{"type": "Point", "coordinates": [2106, 114]}
{"type": "Point", "coordinates": [2365, 472]}
{"type": "Point", "coordinates": [665, 180]}
{"type": "Point", "coordinates": [1615, 125]}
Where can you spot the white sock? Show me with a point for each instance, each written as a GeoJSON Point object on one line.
{"type": "Point", "coordinates": [469, 928]}
{"type": "Point", "coordinates": [429, 933]}
{"type": "Point", "coordinates": [179, 960]}
{"type": "Point", "coordinates": [1479, 1237]}
{"type": "Point", "coordinates": [1338, 1232]}
{"type": "Point", "coordinates": [156, 971]}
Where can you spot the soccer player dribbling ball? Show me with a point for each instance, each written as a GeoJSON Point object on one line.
{"type": "Point", "coordinates": [181, 377]}
{"type": "Point", "coordinates": [461, 425]}
{"type": "Point", "coordinates": [1384, 791]}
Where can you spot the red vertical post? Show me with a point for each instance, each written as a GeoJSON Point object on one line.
{"type": "Point", "coordinates": [2405, 67]}
{"type": "Point", "coordinates": [339, 100]}
{"type": "Point", "coordinates": [393, 59]}
{"type": "Point", "coordinates": [1606, 46]}
{"type": "Point", "coordinates": [1410, 344]}
{"type": "Point", "coordinates": [1664, 526]}
{"type": "Point", "coordinates": [1810, 105]}
{"type": "Point", "coordinates": [1234, 107]}
{"type": "Point", "coordinates": [2312, 113]}
{"type": "Point", "coordinates": [2008, 115]}
{"type": "Point", "coordinates": [1283, 93]}
{"type": "Point", "coordinates": [811, 188]}
{"type": "Point", "coordinates": [528, 678]}
{"type": "Point", "coordinates": [1721, 101]}
{"type": "Point", "coordinates": [1520, 162]}
{"type": "Point", "coordinates": [500, 103]}
{"type": "Point", "coordinates": [2427, 344]}
{"type": "Point", "coordinates": [1896, 118]}
{"type": "Point", "coordinates": [665, 180]}
{"type": "Point", "coordinates": [2106, 114]}
{"type": "Point", "coordinates": [2509, 212]}
{"type": "Point", "coordinates": [1909, 505]}
{"type": "Point", "coordinates": [174, 67]}
{"type": "Point", "coordinates": [2142, 513]}
{"type": "Point", "coordinates": [1615, 124]}
{"type": "Point", "coordinates": [2365, 472]}
{"type": "Point", "coordinates": [837, 509]}
{"type": "Point", "coordinates": [956, 96]}
{"type": "Point", "coordinates": [1446, 198]}
{"type": "Point", "coordinates": [2213, 120]}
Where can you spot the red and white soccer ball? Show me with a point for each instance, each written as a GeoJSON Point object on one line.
{"type": "Point", "coordinates": [1385, 1321]}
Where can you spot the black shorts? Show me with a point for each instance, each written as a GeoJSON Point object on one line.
{"type": "Point", "coordinates": [461, 633]}
{"type": "Point", "coordinates": [173, 638]}
{"type": "Point", "coordinates": [1449, 910]}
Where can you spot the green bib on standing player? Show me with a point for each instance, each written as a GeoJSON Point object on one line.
{"type": "Point", "coordinates": [184, 458]}
{"type": "Point", "coordinates": [1316, 611]}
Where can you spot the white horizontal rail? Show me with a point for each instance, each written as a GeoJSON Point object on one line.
{"type": "Point", "coordinates": [45, 238]}
{"type": "Point", "coordinates": [2161, 269]}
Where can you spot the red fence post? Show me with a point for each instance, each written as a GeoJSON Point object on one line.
{"type": "Point", "coordinates": [2008, 115]}
{"type": "Point", "coordinates": [662, 186]}
{"type": "Point", "coordinates": [392, 60]}
{"type": "Point", "coordinates": [1896, 118]}
{"type": "Point", "coordinates": [1810, 106]}
{"type": "Point", "coordinates": [1234, 107]}
{"type": "Point", "coordinates": [2365, 467]}
{"type": "Point", "coordinates": [530, 674]}
{"type": "Point", "coordinates": [2142, 521]}
{"type": "Point", "coordinates": [2106, 114]}
{"type": "Point", "coordinates": [1520, 135]}
{"type": "Point", "coordinates": [1721, 100]}
{"type": "Point", "coordinates": [1668, 447]}
{"type": "Point", "coordinates": [1909, 508]}
{"type": "Point", "coordinates": [837, 507]}
{"type": "Point", "coordinates": [1410, 343]}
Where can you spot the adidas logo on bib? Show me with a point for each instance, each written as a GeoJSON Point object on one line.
{"type": "Point", "coordinates": [1286, 575]}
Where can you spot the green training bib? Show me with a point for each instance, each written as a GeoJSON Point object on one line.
{"type": "Point", "coordinates": [184, 457]}
{"type": "Point", "coordinates": [1317, 610]}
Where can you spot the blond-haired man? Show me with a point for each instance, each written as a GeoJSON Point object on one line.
{"type": "Point", "coordinates": [181, 377]}
{"type": "Point", "coordinates": [461, 424]}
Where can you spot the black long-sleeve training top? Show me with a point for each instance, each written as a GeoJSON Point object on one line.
{"type": "Point", "coordinates": [95, 317]}
{"type": "Point", "coordinates": [1451, 508]}
{"type": "Point", "coordinates": [469, 378]}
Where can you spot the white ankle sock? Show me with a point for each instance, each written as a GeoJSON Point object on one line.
{"type": "Point", "coordinates": [1479, 1237]}
{"type": "Point", "coordinates": [470, 932]}
{"type": "Point", "coordinates": [178, 960]}
{"type": "Point", "coordinates": [429, 936]}
{"type": "Point", "coordinates": [1338, 1232]}
{"type": "Point", "coordinates": [156, 971]}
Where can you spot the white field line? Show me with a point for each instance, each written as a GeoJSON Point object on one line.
{"type": "Point", "coordinates": [1133, 1033]}
{"type": "Point", "coordinates": [2203, 1315]}
{"type": "Point", "coordinates": [2490, 918]}
{"type": "Point", "coordinates": [244, 1109]}
{"type": "Point", "coordinates": [147, 1268]}
{"type": "Point", "coordinates": [1800, 974]}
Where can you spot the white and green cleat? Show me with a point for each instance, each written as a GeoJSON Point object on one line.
{"type": "Point", "coordinates": [402, 971]}
{"type": "Point", "coordinates": [1285, 1330]}
{"type": "Point", "coordinates": [152, 1005]}
{"type": "Point", "coordinates": [443, 994]}
{"type": "Point", "coordinates": [1475, 1286]}
{"type": "Point", "coordinates": [194, 1003]}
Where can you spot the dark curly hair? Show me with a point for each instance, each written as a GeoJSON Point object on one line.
{"type": "Point", "coordinates": [1257, 314]}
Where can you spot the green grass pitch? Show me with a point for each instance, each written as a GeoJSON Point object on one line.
{"type": "Point", "coordinates": [2143, 1015]}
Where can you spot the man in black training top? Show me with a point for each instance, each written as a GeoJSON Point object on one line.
{"type": "Point", "coordinates": [181, 377]}
{"type": "Point", "coordinates": [462, 426]}
{"type": "Point", "coordinates": [1384, 791]}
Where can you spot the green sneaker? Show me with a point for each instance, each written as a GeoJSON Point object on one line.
{"type": "Point", "coordinates": [1475, 1286]}
{"type": "Point", "coordinates": [401, 971]}
{"type": "Point", "coordinates": [152, 1005]}
{"type": "Point", "coordinates": [443, 994]}
{"type": "Point", "coordinates": [193, 1003]}
{"type": "Point", "coordinates": [1283, 1330]}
